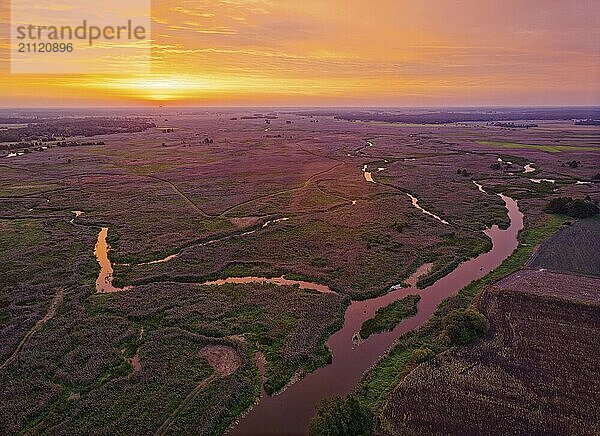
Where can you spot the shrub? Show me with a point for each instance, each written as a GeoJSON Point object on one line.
{"type": "Point", "coordinates": [464, 325]}
{"type": "Point", "coordinates": [422, 354]}
{"type": "Point", "coordinates": [399, 225]}
{"type": "Point", "coordinates": [577, 208]}
{"type": "Point", "coordinates": [318, 262]}
{"type": "Point", "coordinates": [341, 416]}
{"type": "Point", "coordinates": [388, 317]}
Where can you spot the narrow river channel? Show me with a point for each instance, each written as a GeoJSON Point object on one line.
{"type": "Point", "coordinates": [290, 412]}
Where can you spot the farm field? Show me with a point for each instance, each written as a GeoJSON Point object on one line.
{"type": "Point", "coordinates": [516, 379]}
{"type": "Point", "coordinates": [574, 249]}
{"type": "Point", "coordinates": [192, 197]}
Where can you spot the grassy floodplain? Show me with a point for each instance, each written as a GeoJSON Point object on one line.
{"type": "Point", "coordinates": [547, 148]}
{"type": "Point", "coordinates": [219, 196]}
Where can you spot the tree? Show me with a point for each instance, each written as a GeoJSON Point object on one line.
{"type": "Point", "coordinates": [340, 416]}
{"type": "Point", "coordinates": [577, 208]}
{"type": "Point", "coordinates": [464, 325]}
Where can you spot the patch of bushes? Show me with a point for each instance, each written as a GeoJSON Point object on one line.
{"type": "Point", "coordinates": [421, 354]}
{"type": "Point", "coordinates": [576, 208]}
{"type": "Point", "coordinates": [434, 276]}
{"type": "Point", "coordinates": [318, 262]}
{"type": "Point", "coordinates": [572, 164]}
{"type": "Point", "coordinates": [388, 317]}
{"type": "Point", "coordinates": [341, 416]}
{"type": "Point", "coordinates": [399, 225]}
{"type": "Point", "coordinates": [462, 326]}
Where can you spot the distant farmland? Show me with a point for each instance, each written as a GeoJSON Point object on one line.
{"type": "Point", "coordinates": [573, 249]}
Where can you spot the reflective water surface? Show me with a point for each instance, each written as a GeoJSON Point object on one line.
{"type": "Point", "coordinates": [290, 412]}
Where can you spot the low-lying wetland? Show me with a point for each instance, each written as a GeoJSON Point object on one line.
{"type": "Point", "coordinates": [199, 279]}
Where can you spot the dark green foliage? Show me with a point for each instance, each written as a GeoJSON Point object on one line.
{"type": "Point", "coordinates": [422, 354]}
{"type": "Point", "coordinates": [388, 317]}
{"type": "Point", "coordinates": [342, 416]}
{"type": "Point", "coordinates": [464, 325]}
{"type": "Point", "coordinates": [577, 208]}
{"type": "Point", "coordinates": [318, 261]}
{"type": "Point", "coordinates": [572, 164]}
{"type": "Point", "coordinates": [434, 276]}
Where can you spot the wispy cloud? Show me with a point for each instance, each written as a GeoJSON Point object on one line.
{"type": "Point", "coordinates": [426, 52]}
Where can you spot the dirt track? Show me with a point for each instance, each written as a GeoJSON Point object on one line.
{"type": "Point", "coordinates": [224, 360]}
{"type": "Point", "coordinates": [58, 297]}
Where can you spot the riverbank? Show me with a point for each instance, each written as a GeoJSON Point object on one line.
{"type": "Point", "coordinates": [383, 377]}
{"type": "Point", "coordinates": [501, 381]}
{"type": "Point", "coordinates": [349, 360]}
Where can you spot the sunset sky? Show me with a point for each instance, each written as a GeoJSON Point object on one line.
{"type": "Point", "coordinates": [340, 53]}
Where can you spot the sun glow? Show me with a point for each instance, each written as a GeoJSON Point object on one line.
{"type": "Point", "coordinates": [182, 87]}
{"type": "Point", "coordinates": [338, 53]}
{"type": "Point", "coordinates": [157, 88]}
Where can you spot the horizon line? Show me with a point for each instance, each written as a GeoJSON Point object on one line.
{"type": "Point", "coordinates": [364, 107]}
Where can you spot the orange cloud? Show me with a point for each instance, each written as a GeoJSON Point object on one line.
{"type": "Point", "coordinates": [349, 52]}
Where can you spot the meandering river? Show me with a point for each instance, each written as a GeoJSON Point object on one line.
{"type": "Point", "coordinates": [415, 203]}
{"type": "Point", "coordinates": [104, 281]}
{"type": "Point", "coordinates": [290, 412]}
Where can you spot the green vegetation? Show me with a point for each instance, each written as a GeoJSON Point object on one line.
{"type": "Point", "coordinates": [288, 325]}
{"type": "Point", "coordinates": [399, 225]}
{"type": "Point", "coordinates": [462, 326]}
{"type": "Point", "coordinates": [85, 382]}
{"type": "Point", "coordinates": [517, 160]}
{"type": "Point", "coordinates": [469, 246]}
{"type": "Point", "coordinates": [541, 147]}
{"type": "Point", "coordinates": [340, 417]}
{"type": "Point", "coordinates": [576, 208]}
{"type": "Point", "coordinates": [148, 169]}
{"type": "Point", "coordinates": [388, 317]}
{"type": "Point", "coordinates": [15, 236]}
{"type": "Point", "coordinates": [438, 273]}
{"type": "Point", "coordinates": [271, 318]}
{"type": "Point", "coordinates": [433, 337]}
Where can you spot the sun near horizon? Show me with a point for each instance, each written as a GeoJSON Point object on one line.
{"type": "Point", "coordinates": [342, 53]}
